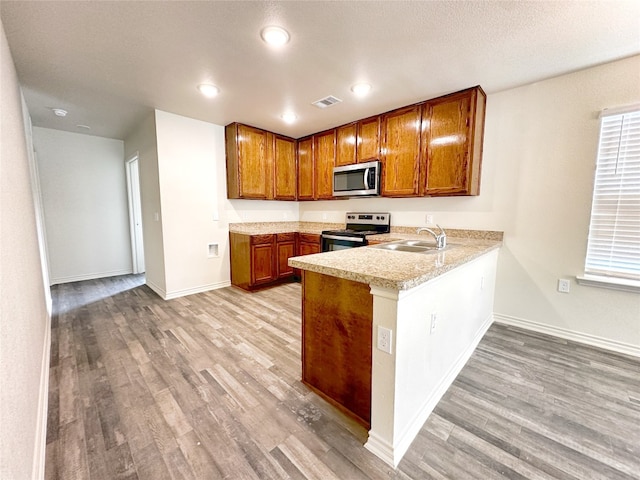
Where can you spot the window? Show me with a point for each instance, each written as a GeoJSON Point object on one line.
{"type": "Point", "coordinates": [613, 251]}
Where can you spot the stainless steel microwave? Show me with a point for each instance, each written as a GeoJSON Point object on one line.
{"type": "Point", "coordinates": [361, 179]}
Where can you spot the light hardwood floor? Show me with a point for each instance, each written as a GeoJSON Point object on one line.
{"type": "Point", "coordinates": [208, 386]}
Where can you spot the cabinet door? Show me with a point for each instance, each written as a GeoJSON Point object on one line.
{"type": "Point", "coordinates": [309, 243]}
{"type": "Point", "coordinates": [306, 170]}
{"type": "Point", "coordinates": [286, 250]}
{"type": "Point", "coordinates": [307, 248]}
{"type": "Point", "coordinates": [368, 142]}
{"type": "Point", "coordinates": [450, 144]}
{"type": "Point", "coordinates": [284, 168]}
{"type": "Point", "coordinates": [401, 152]}
{"type": "Point", "coordinates": [324, 153]}
{"type": "Point", "coordinates": [253, 162]}
{"type": "Point", "coordinates": [262, 263]}
{"type": "Point", "coordinates": [346, 144]}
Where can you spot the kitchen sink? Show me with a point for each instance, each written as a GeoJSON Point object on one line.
{"type": "Point", "coordinates": [418, 243]}
{"type": "Point", "coordinates": [413, 246]}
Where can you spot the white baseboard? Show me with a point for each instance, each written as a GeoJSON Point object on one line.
{"type": "Point", "coordinates": [380, 448]}
{"type": "Point", "coordinates": [593, 340]}
{"type": "Point", "coordinates": [89, 276]}
{"type": "Point", "coordinates": [39, 454]}
{"type": "Point", "coordinates": [160, 291]}
{"type": "Point", "coordinates": [199, 289]}
{"type": "Point", "coordinates": [393, 454]}
{"type": "Point", "coordinates": [187, 291]}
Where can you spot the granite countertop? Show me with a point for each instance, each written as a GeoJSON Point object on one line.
{"type": "Point", "coordinates": [378, 267]}
{"type": "Point", "coordinates": [264, 228]}
{"type": "Point", "coordinates": [398, 270]}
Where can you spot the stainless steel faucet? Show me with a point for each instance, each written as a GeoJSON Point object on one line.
{"type": "Point", "coordinates": [441, 238]}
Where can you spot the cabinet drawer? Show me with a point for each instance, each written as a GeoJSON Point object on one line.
{"type": "Point", "coordinates": [262, 239]}
{"type": "Point", "coordinates": [310, 237]}
{"type": "Point", "coordinates": [286, 237]}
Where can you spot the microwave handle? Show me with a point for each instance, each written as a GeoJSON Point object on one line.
{"type": "Point", "coordinates": [366, 178]}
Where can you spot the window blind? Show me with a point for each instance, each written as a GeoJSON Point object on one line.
{"type": "Point", "coordinates": [614, 233]}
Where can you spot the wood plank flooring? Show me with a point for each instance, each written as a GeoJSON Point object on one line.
{"type": "Point", "coordinates": [208, 386]}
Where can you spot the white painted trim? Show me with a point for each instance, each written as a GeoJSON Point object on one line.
{"type": "Point", "coordinates": [90, 276]}
{"type": "Point", "coordinates": [587, 339]}
{"type": "Point", "coordinates": [622, 284]}
{"type": "Point", "coordinates": [39, 453]}
{"type": "Point", "coordinates": [380, 448]}
{"type": "Point", "coordinates": [132, 225]}
{"type": "Point", "coordinates": [200, 289]}
{"type": "Point", "coordinates": [414, 427]}
{"type": "Point", "coordinates": [160, 291]}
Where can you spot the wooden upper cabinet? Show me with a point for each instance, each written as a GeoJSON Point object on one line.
{"type": "Point", "coordinates": [358, 142]}
{"type": "Point", "coordinates": [452, 143]}
{"type": "Point", "coordinates": [285, 174]}
{"type": "Point", "coordinates": [346, 144]}
{"type": "Point", "coordinates": [324, 155]}
{"type": "Point", "coordinates": [368, 140]}
{"type": "Point", "coordinates": [248, 162]}
{"type": "Point", "coordinates": [306, 169]}
{"type": "Point", "coordinates": [432, 148]}
{"type": "Point", "coordinates": [401, 160]}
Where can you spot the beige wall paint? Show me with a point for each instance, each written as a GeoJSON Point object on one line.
{"type": "Point", "coordinates": [24, 315]}
{"type": "Point", "coordinates": [539, 159]}
{"type": "Point", "coordinates": [86, 210]}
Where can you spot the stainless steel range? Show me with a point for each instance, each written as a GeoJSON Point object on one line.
{"type": "Point", "coordinates": [358, 226]}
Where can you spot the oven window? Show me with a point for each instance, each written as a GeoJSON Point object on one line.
{"type": "Point", "coordinates": [338, 246]}
{"type": "Point", "coordinates": [331, 244]}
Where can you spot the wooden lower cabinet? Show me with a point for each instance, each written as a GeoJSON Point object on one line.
{"type": "Point", "coordinates": [309, 243]}
{"type": "Point", "coordinates": [337, 317]}
{"type": "Point", "coordinates": [252, 259]}
{"type": "Point", "coordinates": [262, 256]}
{"type": "Point", "coordinates": [285, 249]}
{"type": "Point", "coordinates": [261, 260]}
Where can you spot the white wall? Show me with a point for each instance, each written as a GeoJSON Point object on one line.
{"type": "Point", "coordinates": [24, 310]}
{"type": "Point", "coordinates": [142, 142]}
{"type": "Point", "coordinates": [83, 184]}
{"type": "Point", "coordinates": [190, 158]}
{"type": "Point", "coordinates": [183, 181]}
{"type": "Point", "coordinates": [537, 178]}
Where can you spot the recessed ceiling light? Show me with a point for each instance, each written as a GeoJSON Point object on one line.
{"type": "Point", "coordinates": [289, 117]}
{"type": "Point", "coordinates": [59, 112]}
{"type": "Point", "coordinates": [208, 90]}
{"type": "Point", "coordinates": [275, 35]}
{"type": "Point", "coordinates": [361, 89]}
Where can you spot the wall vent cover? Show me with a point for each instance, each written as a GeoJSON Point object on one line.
{"type": "Point", "coordinates": [326, 101]}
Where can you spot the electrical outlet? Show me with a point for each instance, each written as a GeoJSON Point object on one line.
{"type": "Point", "coordinates": [433, 323]}
{"type": "Point", "coordinates": [384, 339]}
{"type": "Point", "coordinates": [564, 285]}
{"type": "Point", "coordinates": [429, 219]}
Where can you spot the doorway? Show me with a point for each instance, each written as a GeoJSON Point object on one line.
{"type": "Point", "coordinates": [135, 214]}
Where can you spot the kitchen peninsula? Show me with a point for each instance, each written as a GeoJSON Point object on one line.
{"type": "Point", "coordinates": [386, 332]}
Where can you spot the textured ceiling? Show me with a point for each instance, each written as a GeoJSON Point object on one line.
{"type": "Point", "coordinates": [110, 63]}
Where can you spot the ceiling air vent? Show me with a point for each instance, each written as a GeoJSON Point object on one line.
{"type": "Point", "coordinates": [326, 101]}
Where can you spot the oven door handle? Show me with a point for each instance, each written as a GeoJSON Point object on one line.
{"type": "Point", "coordinates": [348, 239]}
{"type": "Point", "coordinates": [366, 178]}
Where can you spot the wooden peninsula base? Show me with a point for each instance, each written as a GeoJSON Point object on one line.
{"type": "Point", "coordinates": [337, 315]}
